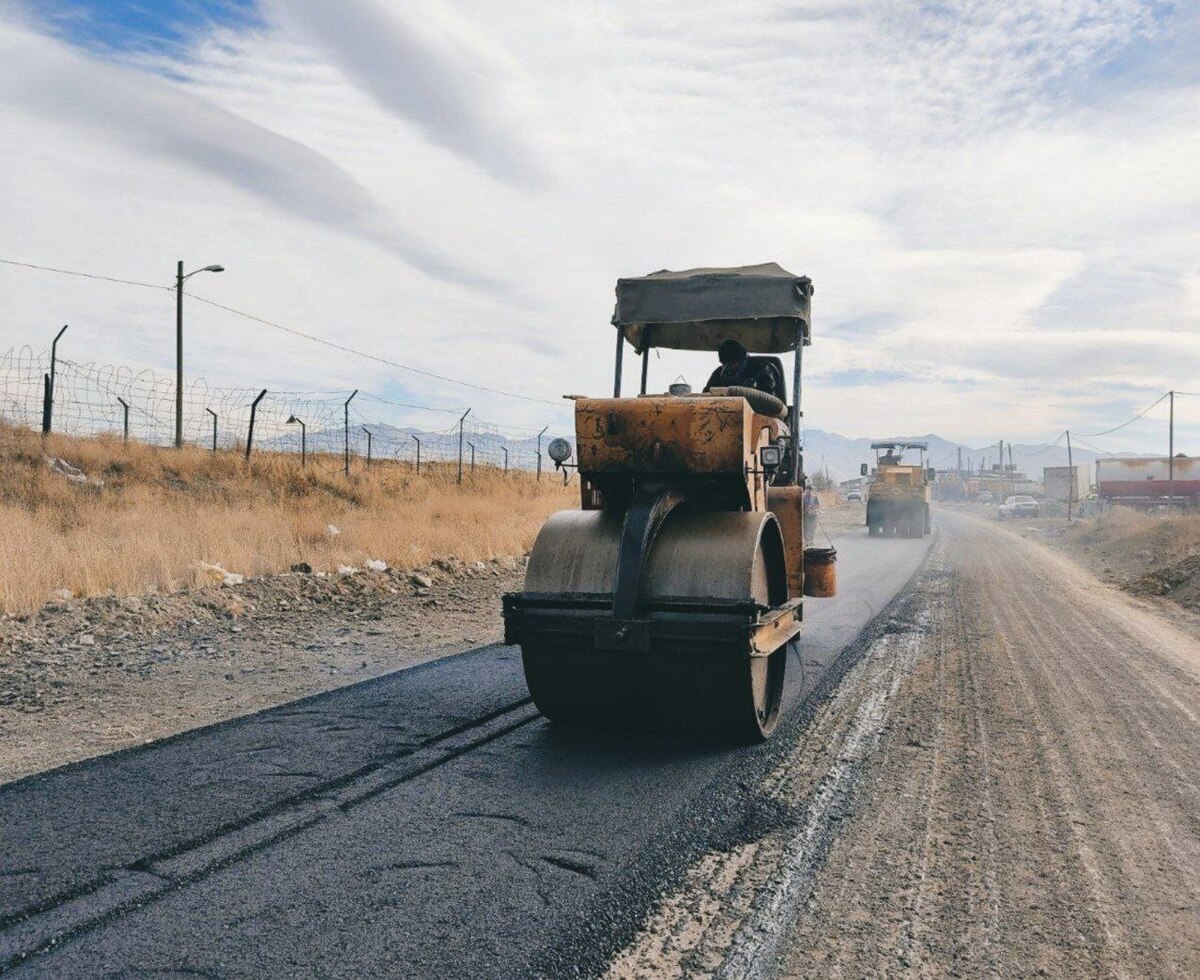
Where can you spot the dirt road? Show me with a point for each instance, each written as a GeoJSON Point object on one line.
{"type": "Point", "coordinates": [1005, 784]}
{"type": "Point", "coordinates": [1035, 807]}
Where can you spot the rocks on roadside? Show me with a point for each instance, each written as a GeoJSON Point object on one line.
{"type": "Point", "coordinates": [215, 575]}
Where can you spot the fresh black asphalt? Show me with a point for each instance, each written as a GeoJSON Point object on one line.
{"type": "Point", "coordinates": [425, 823]}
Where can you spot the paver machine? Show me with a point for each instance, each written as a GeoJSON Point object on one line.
{"type": "Point", "coordinates": [670, 599]}
{"type": "Point", "coordinates": [899, 492]}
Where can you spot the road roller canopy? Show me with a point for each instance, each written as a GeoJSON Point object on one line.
{"type": "Point", "coordinates": [763, 307]}
{"type": "Point", "coordinates": [923, 446]}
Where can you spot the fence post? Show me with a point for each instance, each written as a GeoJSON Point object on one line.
{"type": "Point", "coordinates": [460, 442]}
{"type": "Point", "coordinates": [253, 412]}
{"type": "Point", "coordinates": [346, 410]}
{"type": "Point", "coordinates": [368, 432]}
{"type": "Point", "coordinates": [539, 450]}
{"type": "Point", "coordinates": [505, 448]}
{"type": "Point", "coordinates": [214, 415]}
{"type": "Point", "coordinates": [125, 409]}
{"type": "Point", "coordinates": [48, 402]}
{"type": "Point", "coordinates": [418, 442]}
{"type": "Point", "coordinates": [45, 405]}
{"type": "Point", "coordinates": [472, 445]}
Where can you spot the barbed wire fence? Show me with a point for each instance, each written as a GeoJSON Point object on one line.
{"type": "Point", "coordinates": [333, 430]}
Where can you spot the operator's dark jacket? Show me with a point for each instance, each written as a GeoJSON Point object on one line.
{"type": "Point", "coordinates": [750, 373]}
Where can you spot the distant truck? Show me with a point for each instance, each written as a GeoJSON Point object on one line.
{"type": "Point", "coordinates": [898, 494]}
{"type": "Point", "coordinates": [1148, 481]}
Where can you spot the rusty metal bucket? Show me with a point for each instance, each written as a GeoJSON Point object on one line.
{"type": "Point", "coordinates": [820, 572]}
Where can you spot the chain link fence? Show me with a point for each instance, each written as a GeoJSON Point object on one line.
{"type": "Point", "coordinates": [333, 430]}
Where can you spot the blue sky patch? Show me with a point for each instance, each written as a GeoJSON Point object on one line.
{"type": "Point", "coordinates": [142, 26]}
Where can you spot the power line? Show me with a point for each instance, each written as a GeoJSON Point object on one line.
{"type": "Point", "coordinates": [1095, 449]}
{"type": "Point", "coordinates": [84, 275]}
{"type": "Point", "coordinates": [1123, 424]}
{"type": "Point", "coordinates": [423, 408]}
{"type": "Point", "coordinates": [373, 357]}
{"type": "Point", "coordinates": [1046, 448]}
{"type": "Point", "coordinates": [294, 332]}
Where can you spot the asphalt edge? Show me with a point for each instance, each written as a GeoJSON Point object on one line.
{"type": "Point", "coordinates": [604, 925]}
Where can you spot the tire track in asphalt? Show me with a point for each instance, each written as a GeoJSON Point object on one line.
{"type": "Point", "coordinates": [150, 877]}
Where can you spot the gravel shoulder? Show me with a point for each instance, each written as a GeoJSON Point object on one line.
{"type": "Point", "coordinates": [85, 677]}
{"type": "Point", "coordinates": [1033, 808]}
{"type": "Point", "coordinates": [1003, 783]}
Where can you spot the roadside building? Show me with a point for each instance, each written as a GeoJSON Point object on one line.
{"type": "Point", "coordinates": [1058, 481]}
{"type": "Point", "coordinates": [1149, 481]}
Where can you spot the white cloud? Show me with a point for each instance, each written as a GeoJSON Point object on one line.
{"type": "Point", "coordinates": [951, 176]}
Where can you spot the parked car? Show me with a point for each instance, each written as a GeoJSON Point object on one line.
{"type": "Point", "coordinates": [1020, 506]}
{"type": "Point", "coordinates": [854, 495]}
{"type": "Point", "coordinates": [984, 496]}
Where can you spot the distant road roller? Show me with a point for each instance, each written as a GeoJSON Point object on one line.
{"type": "Point", "coordinates": [899, 492]}
{"type": "Point", "coordinates": [670, 599]}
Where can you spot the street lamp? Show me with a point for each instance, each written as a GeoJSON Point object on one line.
{"type": "Point", "coordinates": [179, 280]}
{"type": "Point", "coordinates": [292, 420]}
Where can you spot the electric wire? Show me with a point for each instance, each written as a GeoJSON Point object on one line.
{"type": "Point", "coordinates": [85, 275]}
{"type": "Point", "coordinates": [374, 357]}
{"type": "Point", "coordinates": [1117, 428]}
{"type": "Point", "coordinates": [291, 330]}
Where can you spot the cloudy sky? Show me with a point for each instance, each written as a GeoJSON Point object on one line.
{"type": "Point", "coordinates": [999, 203]}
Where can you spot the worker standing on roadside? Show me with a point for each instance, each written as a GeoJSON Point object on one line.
{"type": "Point", "coordinates": [812, 510]}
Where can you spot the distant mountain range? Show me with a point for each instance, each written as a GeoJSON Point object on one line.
{"type": "Point", "coordinates": [843, 456]}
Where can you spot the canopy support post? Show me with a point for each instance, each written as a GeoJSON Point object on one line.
{"type": "Point", "coordinates": [620, 354]}
{"type": "Point", "coordinates": [796, 464]}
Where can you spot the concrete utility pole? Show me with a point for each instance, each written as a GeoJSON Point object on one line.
{"type": "Point", "coordinates": [1071, 483]}
{"type": "Point", "coordinates": [1170, 449]}
{"type": "Point", "coordinates": [179, 281]}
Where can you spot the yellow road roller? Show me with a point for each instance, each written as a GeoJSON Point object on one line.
{"type": "Point", "coordinates": [899, 492]}
{"type": "Point", "coordinates": [670, 598]}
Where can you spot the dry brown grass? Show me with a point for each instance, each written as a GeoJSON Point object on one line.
{"type": "Point", "coordinates": [1155, 537]}
{"type": "Point", "coordinates": [161, 511]}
